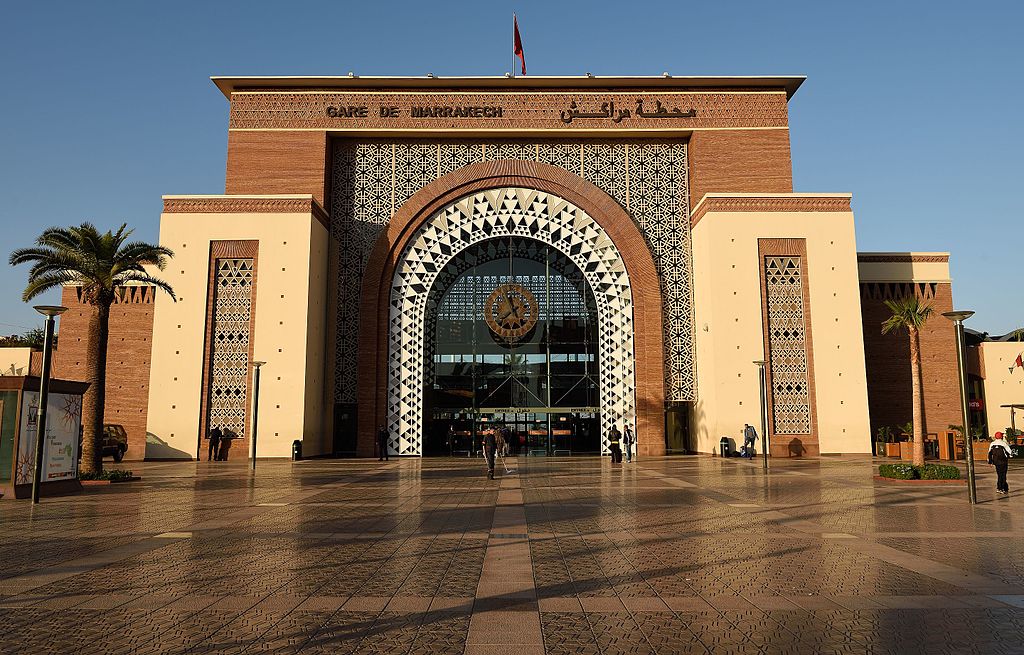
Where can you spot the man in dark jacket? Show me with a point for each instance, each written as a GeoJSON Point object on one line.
{"type": "Point", "coordinates": [490, 446]}
{"type": "Point", "coordinates": [614, 438]}
{"type": "Point", "coordinates": [999, 457]}
{"type": "Point", "coordinates": [214, 452]}
{"type": "Point", "coordinates": [382, 444]}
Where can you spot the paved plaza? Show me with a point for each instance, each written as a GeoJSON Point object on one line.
{"type": "Point", "coordinates": [672, 555]}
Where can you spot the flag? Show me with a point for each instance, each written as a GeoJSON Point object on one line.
{"type": "Point", "coordinates": [1019, 362]}
{"type": "Point", "coordinates": [517, 43]}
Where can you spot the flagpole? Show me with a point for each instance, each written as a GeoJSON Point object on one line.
{"type": "Point", "coordinates": [513, 44]}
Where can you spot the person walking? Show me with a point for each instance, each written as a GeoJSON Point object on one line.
{"type": "Point", "coordinates": [627, 442]}
{"type": "Point", "coordinates": [999, 456]}
{"type": "Point", "coordinates": [490, 446]}
{"type": "Point", "coordinates": [214, 451]}
{"type": "Point", "coordinates": [749, 439]}
{"type": "Point", "coordinates": [614, 437]}
{"type": "Point", "coordinates": [382, 444]}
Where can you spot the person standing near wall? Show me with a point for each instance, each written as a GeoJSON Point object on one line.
{"type": "Point", "coordinates": [382, 444]}
{"type": "Point", "coordinates": [627, 442]}
{"type": "Point", "coordinates": [490, 446]}
{"type": "Point", "coordinates": [999, 456]}
{"type": "Point", "coordinates": [749, 439]}
{"type": "Point", "coordinates": [214, 450]}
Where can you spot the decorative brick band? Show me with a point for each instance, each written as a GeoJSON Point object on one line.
{"type": "Point", "coordinates": [903, 258]}
{"type": "Point", "coordinates": [229, 205]}
{"type": "Point", "coordinates": [770, 204]}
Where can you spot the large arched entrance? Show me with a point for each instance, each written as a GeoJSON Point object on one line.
{"type": "Point", "coordinates": [491, 216]}
{"type": "Point", "coordinates": [591, 227]}
{"type": "Point", "coordinates": [512, 339]}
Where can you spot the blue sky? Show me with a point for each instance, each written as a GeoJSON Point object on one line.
{"type": "Point", "coordinates": [914, 107]}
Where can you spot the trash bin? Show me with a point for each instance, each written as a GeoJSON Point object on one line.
{"type": "Point", "coordinates": [296, 450]}
{"type": "Point", "coordinates": [725, 447]}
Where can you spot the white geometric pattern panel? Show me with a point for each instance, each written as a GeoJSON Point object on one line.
{"type": "Point", "coordinates": [787, 346]}
{"type": "Point", "coordinates": [647, 177]}
{"type": "Point", "coordinates": [229, 348]}
{"type": "Point", "coordinates": [487, 215]}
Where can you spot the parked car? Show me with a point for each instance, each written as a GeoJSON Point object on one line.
{"type": "Point", "coordinates": [115, 441]}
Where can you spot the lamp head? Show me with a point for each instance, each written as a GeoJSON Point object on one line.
{"type": "Point", "coordinates": [50, 310]}
{"type": "Point", "coordinates": [759, 362]}
{"type": "Point", "coordinates": [257, 363]}
{"type": "Point", "coordinates": [957, 316]}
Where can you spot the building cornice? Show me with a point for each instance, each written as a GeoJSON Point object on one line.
{"type": "Point", "coordinates": [247, 204]}
{"type": "Point", "coordinates": [229, 84]}
{"type": "Point", "coordinates": [781, 202]}
{"type": "Point", "coordinates": [903, 258]}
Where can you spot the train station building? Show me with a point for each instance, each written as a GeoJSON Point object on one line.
{"type": "Point", "coordinates": [560, 255]}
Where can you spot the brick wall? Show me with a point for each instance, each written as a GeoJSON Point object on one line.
{"type": "Point", "coordinates": [277, 163]}
{"type": "Point", "coordinates": [739, 161]}
{"type": "Point", "coordinates": [128, 357]}
{"type": "Point", "coordinates": [887, 360]}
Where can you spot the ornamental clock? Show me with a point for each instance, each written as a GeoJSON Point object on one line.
{"type": "Point", "coordinates": [511, 311]}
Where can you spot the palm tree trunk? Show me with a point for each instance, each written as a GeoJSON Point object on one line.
{"type": "Point", "coordinates": [916, 386]}
{"type": "Point", "coordinates": [95, 397]}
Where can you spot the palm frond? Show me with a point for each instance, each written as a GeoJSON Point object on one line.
{"type": "Point", "coordinates": [46, 282]}
{"type": "Point", "coordinates": [146, 278]}
{"type": "Point", "coordinates": [908, 312]}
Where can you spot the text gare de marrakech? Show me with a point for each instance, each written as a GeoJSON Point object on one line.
{"type": "Point", "coordinates": [416, 112]}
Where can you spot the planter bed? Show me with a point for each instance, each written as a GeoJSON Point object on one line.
{"type": "Point", "coordinates": [96, 483]}
{"type": "Point", "coordinates": [879, 478]}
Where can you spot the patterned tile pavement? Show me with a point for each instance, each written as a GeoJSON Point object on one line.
{"type": "Point", "coordinates": [674, 555]}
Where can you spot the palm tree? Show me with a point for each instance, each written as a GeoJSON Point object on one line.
{"type": "Point", "coordinates": [99, 264]}
{"type": "Point", "coordinates": [911, 313]}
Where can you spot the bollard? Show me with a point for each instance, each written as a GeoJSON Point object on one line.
{"type": "Point", "coordinates": [723, 445]}
{"type": "Point", "coordinates": [296, 450]}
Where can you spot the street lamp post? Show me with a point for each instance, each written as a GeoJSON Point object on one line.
{"type": "Point", "coordinates": [958, 318]}
{"type": "Point", "coordinates": [764, 413]}
{"type": "Point", "coordinates": [50, 312]}
{"type": "Point", "coordinates": [255, 408]}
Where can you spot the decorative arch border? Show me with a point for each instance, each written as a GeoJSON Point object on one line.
{"type": "Point", "coordinates": [496, 213]}
{"type": "Point", "coordinates": [375, 313]}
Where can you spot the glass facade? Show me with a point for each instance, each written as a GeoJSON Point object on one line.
{"type": "Point", "coordinates": [512, 340]}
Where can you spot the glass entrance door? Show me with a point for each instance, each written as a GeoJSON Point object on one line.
{"type": "Point", "coordinates": [512, 339]}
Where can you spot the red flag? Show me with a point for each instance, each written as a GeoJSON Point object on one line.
{"type": "Point", "coordinates": [1019, 362]}
{"type": "Point", "coordinates": [517, 43]}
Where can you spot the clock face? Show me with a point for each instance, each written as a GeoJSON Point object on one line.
{"type": "Point", "coordinates": [511, 311]}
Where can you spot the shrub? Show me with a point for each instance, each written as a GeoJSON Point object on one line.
{"type": "Point", "coordinates": [898, 471]}
{"type": "Point", "coordinates": [939, 472]}
{"type": "Point", "coordinates": [112, 474]}
{"type": "Point", "coordinates": [927, 472]}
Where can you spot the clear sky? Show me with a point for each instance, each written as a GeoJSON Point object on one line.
{"type": "Point", "coordinates": [914, 107]}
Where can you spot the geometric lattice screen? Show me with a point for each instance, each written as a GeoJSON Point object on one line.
{"type": "Point", "coordinates": [371, 179]}
{"type": "Point", "coordinates": [787, 346]}
{"type": "Point", "coordinates": [229, 348]}
{"type": "Point", "coordinates": [497, 213]}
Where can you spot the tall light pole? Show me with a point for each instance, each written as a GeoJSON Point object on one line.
{"type": "Point", "coordinates": [255, 408]}
{"type": "Point", "coordinates": [50, 312]}
{"type": "Point", "coordinates": [958, 318]}
{"type": "Point", "coordinates": [764, 412]}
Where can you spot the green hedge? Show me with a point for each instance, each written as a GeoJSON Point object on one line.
{"type": "Point", "coordinates": [112, 474]}
{"type": "Point", "coordinates": [927, 472]}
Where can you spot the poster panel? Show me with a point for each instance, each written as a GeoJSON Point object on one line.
{"type": "Point", "coordinates": [63, 420]}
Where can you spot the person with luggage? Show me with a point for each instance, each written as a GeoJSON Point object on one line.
{"type": "Point", "coordinates": [628, 440]}
{"type": "Point", "coordinates": [490, 446]}
{"type": "Point", "coordinates": [614, 439]}
{"type": "Point", "coordinates": [749, 439]}
{"type": "Point", "coordinates": [999, 456]}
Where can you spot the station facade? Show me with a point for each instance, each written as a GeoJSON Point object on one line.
{"type": "Point", "coordinates": [558, 255]}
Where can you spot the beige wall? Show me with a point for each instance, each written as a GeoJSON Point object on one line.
{"type": "Point", "coordinates": [728, 323]}
{"type": "Point", "coordinates": [15, 361]}
{"type": "Point", "coordinates": [1001, 386]}
{"type": "Point", "coordinates": [288, 333]}
{"type": "Point", "coordinates": [919, 271]}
